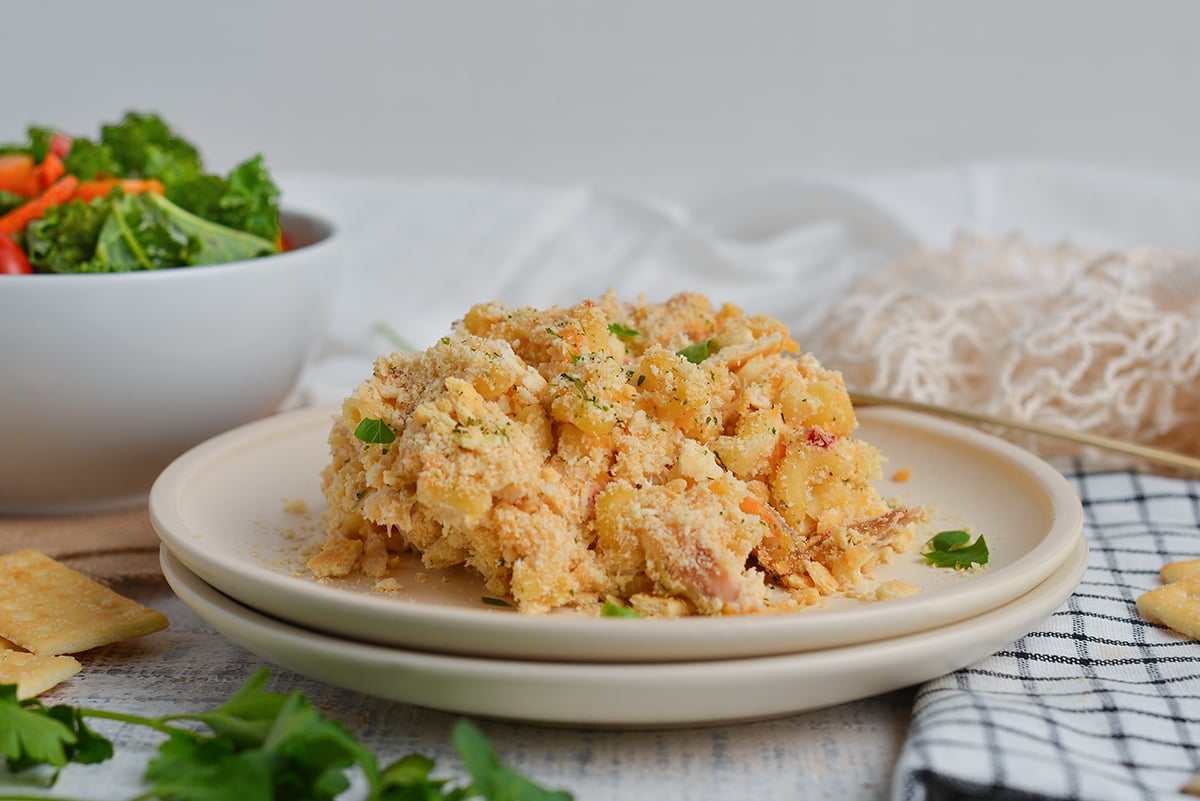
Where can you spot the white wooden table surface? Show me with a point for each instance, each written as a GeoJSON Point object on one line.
{"type": "Point", "coordinates": [845, 752]}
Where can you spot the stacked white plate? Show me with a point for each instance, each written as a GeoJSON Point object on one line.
{"type": "Point", "coordinates": [238, 513]}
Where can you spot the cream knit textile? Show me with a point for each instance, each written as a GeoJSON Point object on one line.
{"type": "Point", "coordinates": [1107, 342]}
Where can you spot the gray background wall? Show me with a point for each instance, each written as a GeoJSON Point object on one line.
{"type": "Point", "coordinates": [681, 98]}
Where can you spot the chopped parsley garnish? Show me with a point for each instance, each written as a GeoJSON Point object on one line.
{"type": "Point", "coordinates": [256, 745]}
{"type": "Point", "coordinates": [490, 601]}
{"type": "Point", "coordinates": [699, 351]}
{"type": "Point", "coordinates": [616, 610]}
{"type": "Point", "coordinates": [374, 431]}
{"type": "Point", "coordinates": [955, 549]}
{"type": "Point", "coordinates": [622, 331]}
{"type": "Point", "coordinates": [577, 381]}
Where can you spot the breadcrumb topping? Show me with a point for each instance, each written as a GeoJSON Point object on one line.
{"type": "Point", "coordinates": [672, 457]}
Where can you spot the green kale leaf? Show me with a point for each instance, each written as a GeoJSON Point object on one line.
{"type": "Point", "coordinates": [9, 201]}
{"type": "Point", "coordinates": [37, 146]}
{"type": "Point", "coordinates": [252, 203]}
{"type": "Point", "coordinates": [217, 243]}
{"type": "Point", "coordinates": [64, 239]}
{"type": "Point", "coordinates": [146, 147]}
{"type": "Point", "coordinates": [247, 200]}
{"type": "Point", "coordinates": [139, 235]}
{"type": "Point", "coordinates": [149, 232]}
{"type": "Point", "coordinates": [90, 160]}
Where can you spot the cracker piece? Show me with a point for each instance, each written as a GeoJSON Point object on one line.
{"type": "Point", "coordinates": [337, 558]}
{"type": "Point", "coordinates": [35, 674]}
{"type": "Point", "coordinates": [889, 590]}
{"type": "Point", "coordinates": [1176, 605]}
{"type": "Point", "coordinates": [50, 609]}
{"type": "Point", "coordinates": [1178, 570]}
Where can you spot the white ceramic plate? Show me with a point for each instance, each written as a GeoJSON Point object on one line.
{"type": "Point", "coordinates": [629, 695]}
{"type": "Point", "coordinates": [223, 510]}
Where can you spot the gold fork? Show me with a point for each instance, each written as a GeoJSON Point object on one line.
{"type": "Point", "coordinates": [1150, 454]}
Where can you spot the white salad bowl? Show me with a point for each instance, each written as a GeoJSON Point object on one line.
{"type": "Point", "coordinates": [106, 378]}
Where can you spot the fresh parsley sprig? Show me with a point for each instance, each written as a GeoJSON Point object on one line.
{"type": "Point", "coordinates": [32, 734]}
{"type": "Point", "coordinates": [955, 549]}
{"type": "Point", "coordinates": [257, 746]}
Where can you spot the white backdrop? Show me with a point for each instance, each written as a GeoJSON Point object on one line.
{"type": "Point", "coordinates": [680, 98]}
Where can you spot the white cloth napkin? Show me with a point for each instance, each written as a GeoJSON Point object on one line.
{"type": "Point", "coordinates": [1093, 704]}
{"type": "Point", "coordinates": [420, 254]}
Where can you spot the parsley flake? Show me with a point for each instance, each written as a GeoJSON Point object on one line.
{"type": "Point", "coordinates": [616, 610]}
{"type": "Point", "coordinates": [623, 332]}
{"type": "Point", "coordinates": [698, 351]}
{"type": "Point", "coordinates": [374, 431]}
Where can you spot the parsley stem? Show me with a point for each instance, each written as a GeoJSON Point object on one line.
{"type": "Point", "coordinates": [393, 337]}
{"type": "Point", "coordinates": [158, 724]}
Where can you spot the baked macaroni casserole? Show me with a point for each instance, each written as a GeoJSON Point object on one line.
{"type": "Point", "coordinates": [673, 458]}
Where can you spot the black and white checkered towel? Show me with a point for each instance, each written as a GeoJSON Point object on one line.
{"type": "Point", "coordinates": [1095, 703]}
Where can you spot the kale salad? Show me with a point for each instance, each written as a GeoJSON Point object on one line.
{"type": "Point", "coordinates": [136, 198]}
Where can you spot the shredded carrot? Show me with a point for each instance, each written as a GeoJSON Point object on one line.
{"type": "Point", "coordinates": [90, 190]}
{"type": "Point", "coordinates": [17, 175]}
{"type": "Point", "coordinates": [22, 215]}
{"type": "Point", "coordinates": [49, 171]}
{"type": "Point", "coordinates": [753, 506]}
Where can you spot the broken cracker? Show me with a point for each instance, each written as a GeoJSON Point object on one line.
{"type": "Point", "coordinates": [1175, 605]}
{"type": "Point", "coordinates": [895, 588]}
{"type": "Point", "coordinates": [337, 558]}
{"type": "Point", "coordinates": [49, 609]}
{"type": "Point", "coordinates": [35, 674]}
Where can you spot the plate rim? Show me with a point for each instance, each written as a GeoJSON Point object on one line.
{"type": "Point", "coordinates": [606, 694]}
{"type": "Point", "coordinates": [267, 590]}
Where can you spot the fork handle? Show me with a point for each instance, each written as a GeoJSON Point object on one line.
{"type": "Point", "coordinates": [1147, 452]}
